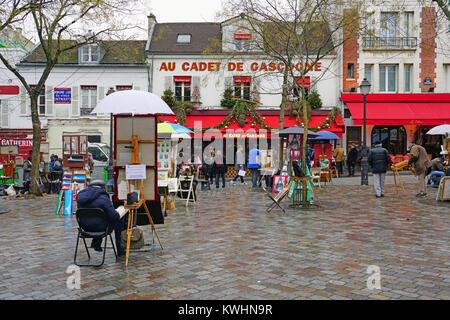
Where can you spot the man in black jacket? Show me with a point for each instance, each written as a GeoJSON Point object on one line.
{"type": "Point", "coordinates": [95, 196]}
{"type": "Point", "coordinates": [351, 161]}
{"type": "Point", "coordinates": [379, 159]}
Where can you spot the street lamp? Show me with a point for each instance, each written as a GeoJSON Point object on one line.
{"type": "Point", "coordinates": [364, 88]}
{"type": "Point", "coordinates": [110, 167]}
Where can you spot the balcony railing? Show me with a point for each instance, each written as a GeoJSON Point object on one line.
{"type": "Point", "coordinates": [397, 43]}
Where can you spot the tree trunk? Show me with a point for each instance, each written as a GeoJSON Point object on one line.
{"type": "Point", "coordinates": [281, 118]}
{"type": "Point", "coordinates": [304, 142]}
{"type": "Point", "coordinates": [36, 151]}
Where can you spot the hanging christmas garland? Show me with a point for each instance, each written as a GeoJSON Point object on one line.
{"type": "Point", "coordinates": [328, 120]}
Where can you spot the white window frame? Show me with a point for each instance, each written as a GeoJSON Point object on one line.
{"type": "Point", "coordinates": [184, 38]}
{"type": "Point", "coordinates": [91, 50]}
{"type": "Point", "coordinates": [410, 82]}
{"type": "Point", "coordinates": [241, 87]}
{"type": "Point", "coordinates": [90, 97]}
{"type": "Point", "coordinates": [386, 79]}
{"type": "Point", "coordinates": [370, 77]}
{"type": "Point", "coordinates": [184, 86]}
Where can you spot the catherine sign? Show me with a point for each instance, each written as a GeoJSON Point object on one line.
{"type": "Point", "coordinates": [62, 95]}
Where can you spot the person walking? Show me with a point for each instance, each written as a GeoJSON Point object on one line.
{"type": "Point", "coordinates": [254, 164]}
{"type": "Point", "coordinates": [418, 158]}
{"type": "Point", "coordinates": [351, 161]}
{"type": "Point", "coordinates": [219, 168]}
{"type": "Point", "coordinates": [379, 159]}
{"type": "Point", "coordinates": [206, 169]}
{"type": "Point", "coordinates": [339, 156]}
{"type": "Point", "coordinates": [240, 165]}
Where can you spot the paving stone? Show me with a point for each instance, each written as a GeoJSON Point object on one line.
{"type": "Point", "coordinates": [221, 249]}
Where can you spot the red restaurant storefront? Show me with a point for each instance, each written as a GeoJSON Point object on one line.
{"type": "Point", "coordinates": [250, 129]}
{"type": "Point", "coordinates": [397, 120]}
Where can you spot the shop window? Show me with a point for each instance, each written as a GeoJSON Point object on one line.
{"type": "Point", "coordinates": [182, 88]}
{"type": "Point", "coordinates": [242, 87]}
{"type": "Point", "coordinates": [392, 138]}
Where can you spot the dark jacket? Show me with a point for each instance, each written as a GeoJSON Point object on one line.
{"type": "Point", "coordinates": [94, 197]}
{"type": "Point", "coordinates": [379, 159]}
{"type": "Point", "coordinates": [352, 156]}
{"type": "Point", "coordinates": [206, 169]}
{"type": "Point", "coordinates": [219, 167]}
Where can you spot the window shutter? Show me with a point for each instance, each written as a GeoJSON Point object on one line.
{"type": "Point", "coordinates": [4, 116]}
{"type": "Point", "coordinates": [75, 105]}
{"type": "Point", "coordinates": [49, 100]}
{"type": "Point", "coordinates": [101, 96]}
{"type": "Point", "coordinates": [168, 84]}
{"type": "Point", "coordinates": [23, 101]}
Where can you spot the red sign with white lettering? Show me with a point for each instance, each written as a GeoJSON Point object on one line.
{"type": "Point", "coordinates": [181, 79]}
{"type": "Point", "coordinates": [242, 79]}
{"type": "Point", "coordinates": [242, 36]}
{"type": "Point", "coordinates": [9, 89]}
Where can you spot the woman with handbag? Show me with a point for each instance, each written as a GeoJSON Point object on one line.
{"type": "Point", "coordinates": [240, 166]}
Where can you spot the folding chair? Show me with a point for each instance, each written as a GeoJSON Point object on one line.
{"type": "Point", "coordinates": [278, 198]}
{"type": "Point", "coordinates": [84, 216]}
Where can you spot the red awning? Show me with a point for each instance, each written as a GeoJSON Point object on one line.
{"type": "Point", "coordinates": [399, 109]}
{"type": "Point", "coordinates": [207, 119]}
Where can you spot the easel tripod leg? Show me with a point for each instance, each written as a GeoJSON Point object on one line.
{"type": "Point", "coordinates": [129, 230]}
{"type": "Point", "coordinates": [153, 225]}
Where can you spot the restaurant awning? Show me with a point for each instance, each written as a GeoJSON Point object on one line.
{"type": "Point", "coordinates": [399, 109]}
{"type": "Point", "coordinates": [211, 118]}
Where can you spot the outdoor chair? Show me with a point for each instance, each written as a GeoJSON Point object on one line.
{"type": "Point", "coordinates": [278, 198]}
{"type": "Point", "coordinates": [84, 216]}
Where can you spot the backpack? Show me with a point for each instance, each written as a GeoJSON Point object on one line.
{"type": "Point", "coordinates": [136, 240]}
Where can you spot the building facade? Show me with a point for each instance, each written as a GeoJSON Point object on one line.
{"type": "Point", "coordinates": [404, 52]}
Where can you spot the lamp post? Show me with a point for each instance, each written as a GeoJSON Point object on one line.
{"type": "Point", "coordinates": [110, 167]}
{"type": "Point", "coordinates": [364, 88]}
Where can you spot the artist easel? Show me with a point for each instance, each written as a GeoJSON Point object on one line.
{"type": "Point", "coordinates": [304, 183]}
{"type": "Point", "coordinates": [395, 169]}
{"type": "Point", "coordinates": [134, 207]}
{"type": "Point", "coordinates": [190, 196]}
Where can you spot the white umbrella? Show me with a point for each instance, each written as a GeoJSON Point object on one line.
{"type": "Point", "coordinates": [134, 102]}
{"type": "Point", "coordinates": [442, 129]}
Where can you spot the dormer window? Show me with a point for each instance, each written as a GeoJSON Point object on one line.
{"type": "Point", "coordinates": [184, 39]}
{"type": "Point", "coordinates": [90, 54]}
{"type": "Point", "coordinates": [242, 41]}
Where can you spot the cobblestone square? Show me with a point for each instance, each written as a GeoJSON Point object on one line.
{"type": "Point", "coordinates": [226, 246]}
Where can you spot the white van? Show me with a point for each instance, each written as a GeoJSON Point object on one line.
{"type": "Point", "coordinates": [100, 153]}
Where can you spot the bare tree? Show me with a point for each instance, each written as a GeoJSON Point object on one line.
{"type": "Point", "coordinates": [444, 5]}
{"type": "Point", "coordinates": [53, 23]}
{"type": "Point", "coordinates": [298, 33]}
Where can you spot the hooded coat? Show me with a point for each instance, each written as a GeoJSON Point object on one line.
{"type": "Point", "coordinates": [95, 197]}
{"type": "Point", "coordinates": [419, 159]}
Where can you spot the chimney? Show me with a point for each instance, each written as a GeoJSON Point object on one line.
{"type": "Point", "coordinates": [151, 21]}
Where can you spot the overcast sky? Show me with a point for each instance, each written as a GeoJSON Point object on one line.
{"type": "Point", "coordinates": [184, 10]}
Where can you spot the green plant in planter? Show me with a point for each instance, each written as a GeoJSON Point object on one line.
{"type": "Point", "coordinates": [314, 100]}
{"type": "Point", "coordinates": [228, 98]}
{"type": "Point", "coordinates": [169, 98]}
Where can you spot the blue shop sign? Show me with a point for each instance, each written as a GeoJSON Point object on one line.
{"type": "Point", "coordinates": [62, 95]}
{"type": "Point", "coordinates": [427, 81]}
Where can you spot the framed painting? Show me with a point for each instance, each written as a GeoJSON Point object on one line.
{"type": "Point", "coordinates": [279, 182]}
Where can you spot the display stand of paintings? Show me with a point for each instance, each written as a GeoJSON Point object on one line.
{"type": "Point", "coordinates": [266, 159]}
{"type": "Point", "coordinates": [164, 155]}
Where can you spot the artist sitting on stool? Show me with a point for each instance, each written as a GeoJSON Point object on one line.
{"type": "Point", "coordinates": [95, 196]}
